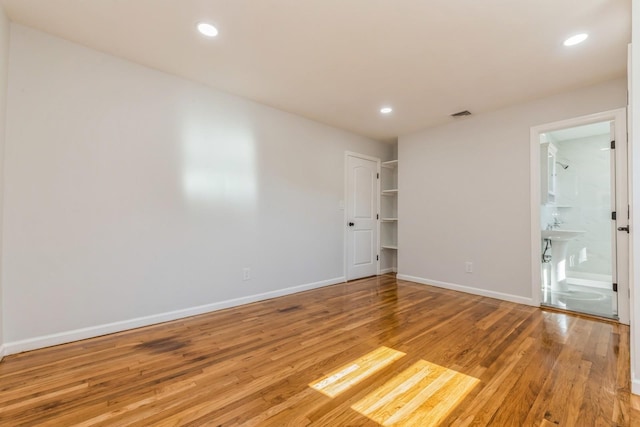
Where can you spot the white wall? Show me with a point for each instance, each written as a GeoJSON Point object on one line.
{"type": "Point", "coordinates": [4, 72]}
{"type": "Point", "coordinates": [465, 194]}
{"type": "Point", "coordinates": [133, 196]}
{"type": "Point", "coordinates": [634, 153]}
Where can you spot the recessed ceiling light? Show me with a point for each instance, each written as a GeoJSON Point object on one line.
{"type": "Point", "coordinates": [386, 110]}
{"type": "Point", "coordinates": [574, 40]}
{"type": "Point", "coordinates": [207, 29]}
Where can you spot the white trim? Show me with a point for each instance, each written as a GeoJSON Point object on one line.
{"type": "Point", "coordinates": [109, 328]}
{"type": "Point", "coordinates": [580, 121]}
{"type": "Point", "coordinates": [633, 120]}
{"type": "Point", "coordinates": [2, 351]}
{"type": "Point", "coordinates": [534, 190]}
{"type": "Point", "coordinates": [388, 270]}
{"type": "Point", "coordinates": [378, 193]}
{"type": "Point", "coordinates": [469, 290]}
{"type": "Point", "coordinates": [361, 156]}
{"type": "Point", "coordinates": [345, 191]}
{"type": "Point", "coordinates": [619, 117]}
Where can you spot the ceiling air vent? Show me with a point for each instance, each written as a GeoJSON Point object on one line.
{"type": "Point", "coordinates": [461, 113]}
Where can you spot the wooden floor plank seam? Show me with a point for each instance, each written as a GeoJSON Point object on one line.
{"type": "Point", "coordinates": [375, 351]}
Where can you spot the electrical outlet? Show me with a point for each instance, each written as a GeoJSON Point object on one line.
{"type": "Point", "coordinates": [246, 273]}
{"type": "Point", "coordinates": [468, 267]}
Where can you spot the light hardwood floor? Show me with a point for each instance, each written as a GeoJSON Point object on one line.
{"type": "Point", "coordinates": [370, 352]}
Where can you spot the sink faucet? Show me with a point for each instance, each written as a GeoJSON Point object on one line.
{"type": "Point", "coordinates": [556, 224]}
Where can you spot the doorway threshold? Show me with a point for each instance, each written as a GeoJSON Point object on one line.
{"type": "Point", "coordinates": [583, 315]}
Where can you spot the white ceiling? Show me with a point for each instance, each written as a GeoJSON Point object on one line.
{"type": "Point", "coordinates": [339, 61]}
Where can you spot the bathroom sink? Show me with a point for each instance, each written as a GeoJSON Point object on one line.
{"type": "Point", "coordinates": [561, 235]}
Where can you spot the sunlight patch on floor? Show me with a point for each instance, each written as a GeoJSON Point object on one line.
{"type": "Point", "coordinates": [422, 395]}
{"type": "Point", "coordinates": [346, 376]}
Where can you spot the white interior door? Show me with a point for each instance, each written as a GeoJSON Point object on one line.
{"type": "Point", "coordinates": [614, 222]}
{"type": "Point", "coordinates": [362, 213]}
{"type": "Point", "coordinates": [620, 243]}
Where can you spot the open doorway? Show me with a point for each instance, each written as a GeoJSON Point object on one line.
{"type": "Point", "coordinates": [580, 234]}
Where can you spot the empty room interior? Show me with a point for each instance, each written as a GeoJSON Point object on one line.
{"type": "Point", "coordinates": [329, 213]}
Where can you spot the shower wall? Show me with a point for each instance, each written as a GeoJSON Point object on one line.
{"type": "Point", "coordinates": [584, 199]}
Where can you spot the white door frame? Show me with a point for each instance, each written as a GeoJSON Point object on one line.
{"type": "Point", "coordinates": [619, 117]}
{"type": "Point", "coordinates": [348, 154]}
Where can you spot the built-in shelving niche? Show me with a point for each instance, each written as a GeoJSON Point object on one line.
{"type": "Point", "coordinates": [389, 216]}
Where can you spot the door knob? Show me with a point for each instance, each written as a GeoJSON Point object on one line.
{"type": "Point", "coordinates": [351, 224]}
{"type": "Point", "coordinates": [624, 229]}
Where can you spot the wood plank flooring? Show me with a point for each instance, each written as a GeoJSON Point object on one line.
{"type": "Point", "coordinates": [367, 353]}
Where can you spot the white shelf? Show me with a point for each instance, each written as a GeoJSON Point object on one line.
{"type": "Point", "coordinates": [390, 164]}
{"type": "Point", "coordinates": [388, 223]}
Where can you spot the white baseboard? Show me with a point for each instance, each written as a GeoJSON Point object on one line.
{"type": "Point", "coordinates": [388, 270]}
{"type": "Point", "coordinates": [469, 290]}
{"type": "Point", "coordinates": [1, 351]}
{"type": "Point", "coordinates": [109, 328]}
{"type": "Point", "coordinates": [635, 386]}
